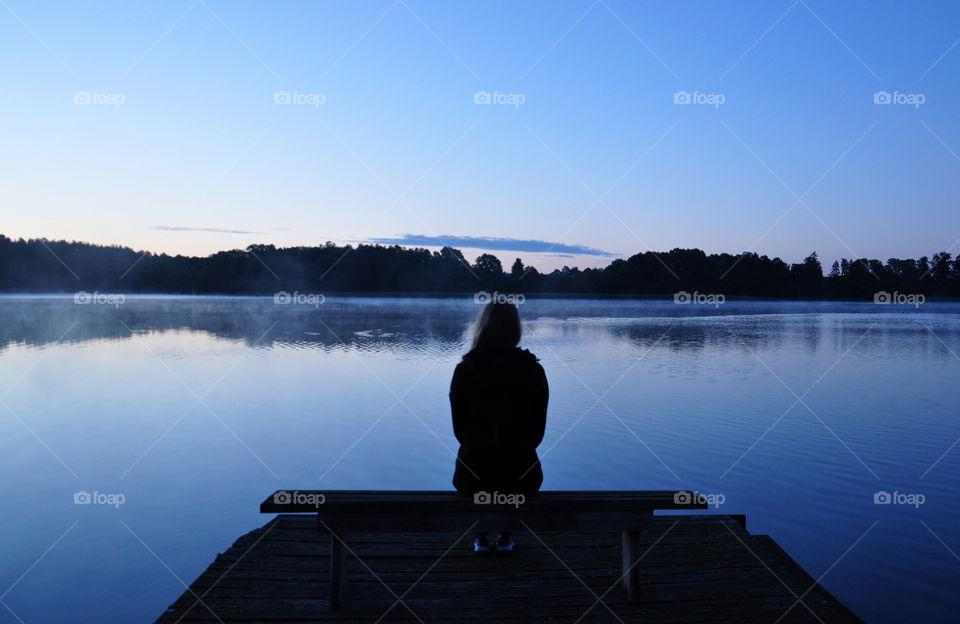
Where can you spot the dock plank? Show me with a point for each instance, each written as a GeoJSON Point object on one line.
{"type": "Point", "coordinates": [696, 569]}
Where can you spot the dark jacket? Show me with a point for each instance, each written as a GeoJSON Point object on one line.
{"type": "Point", "coordinates": [499, 402]}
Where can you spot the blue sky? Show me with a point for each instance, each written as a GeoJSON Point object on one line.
{"type": "Point", "coordinates": [212, 125]}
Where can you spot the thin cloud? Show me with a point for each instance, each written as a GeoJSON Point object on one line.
{"type": "Point", "coordinates": [181, 228]}
{"type": "Point", "coordinates": [493, 244]}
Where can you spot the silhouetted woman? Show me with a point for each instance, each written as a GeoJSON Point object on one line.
{"type": "Point", "coordinates": [498, 397]}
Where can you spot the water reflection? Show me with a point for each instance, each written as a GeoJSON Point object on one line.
{"type": "Point", "coordinates": [413, 324]}
{"type": "Point", "coordinates": [254, 321]}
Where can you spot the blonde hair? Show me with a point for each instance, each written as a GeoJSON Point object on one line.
{"type": "Point", "coordinates": [497, 326]}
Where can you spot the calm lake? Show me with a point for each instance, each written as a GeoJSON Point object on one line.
{"type": "Point", "coordinates": [179, 415]}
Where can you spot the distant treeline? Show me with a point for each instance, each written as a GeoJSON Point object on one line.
{"type": "Point", "coordinates": [39, 265]}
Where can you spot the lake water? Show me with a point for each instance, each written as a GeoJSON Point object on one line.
{"type": "Point", "coordinates": [194, 409]}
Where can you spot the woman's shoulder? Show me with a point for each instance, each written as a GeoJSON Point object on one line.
{"type": "Point", "coordinates": [527, 354]}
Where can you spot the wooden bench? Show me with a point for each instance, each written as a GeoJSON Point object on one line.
{"type": "Point", "coordinates": [342, 512]}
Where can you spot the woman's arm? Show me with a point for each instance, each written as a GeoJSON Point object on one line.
{"type": "Point", "coordinates": [540, 405]}
{"type": "Point", "coordinates": [458, 402]}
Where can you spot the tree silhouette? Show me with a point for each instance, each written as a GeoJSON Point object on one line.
{"type": "Point", "coordinates": [40, 265]}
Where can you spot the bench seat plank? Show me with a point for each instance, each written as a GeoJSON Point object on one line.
{"type": "Point", "coordinates": [422, 503]}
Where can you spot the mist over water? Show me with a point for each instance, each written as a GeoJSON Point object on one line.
{"type": "Point", "coordinates": [193, 409]}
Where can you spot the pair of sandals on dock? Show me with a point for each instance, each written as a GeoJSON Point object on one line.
{"type": "Point", "coordinates": [482, 544]}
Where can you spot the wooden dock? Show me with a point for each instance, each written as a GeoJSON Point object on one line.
{"type": "Point", "coordinates": [704, 568]}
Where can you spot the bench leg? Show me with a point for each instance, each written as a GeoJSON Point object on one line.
{"type": "Point", "coordinates": [631, 572]}
{"type": "Point", "coordinates": [338, 570]}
